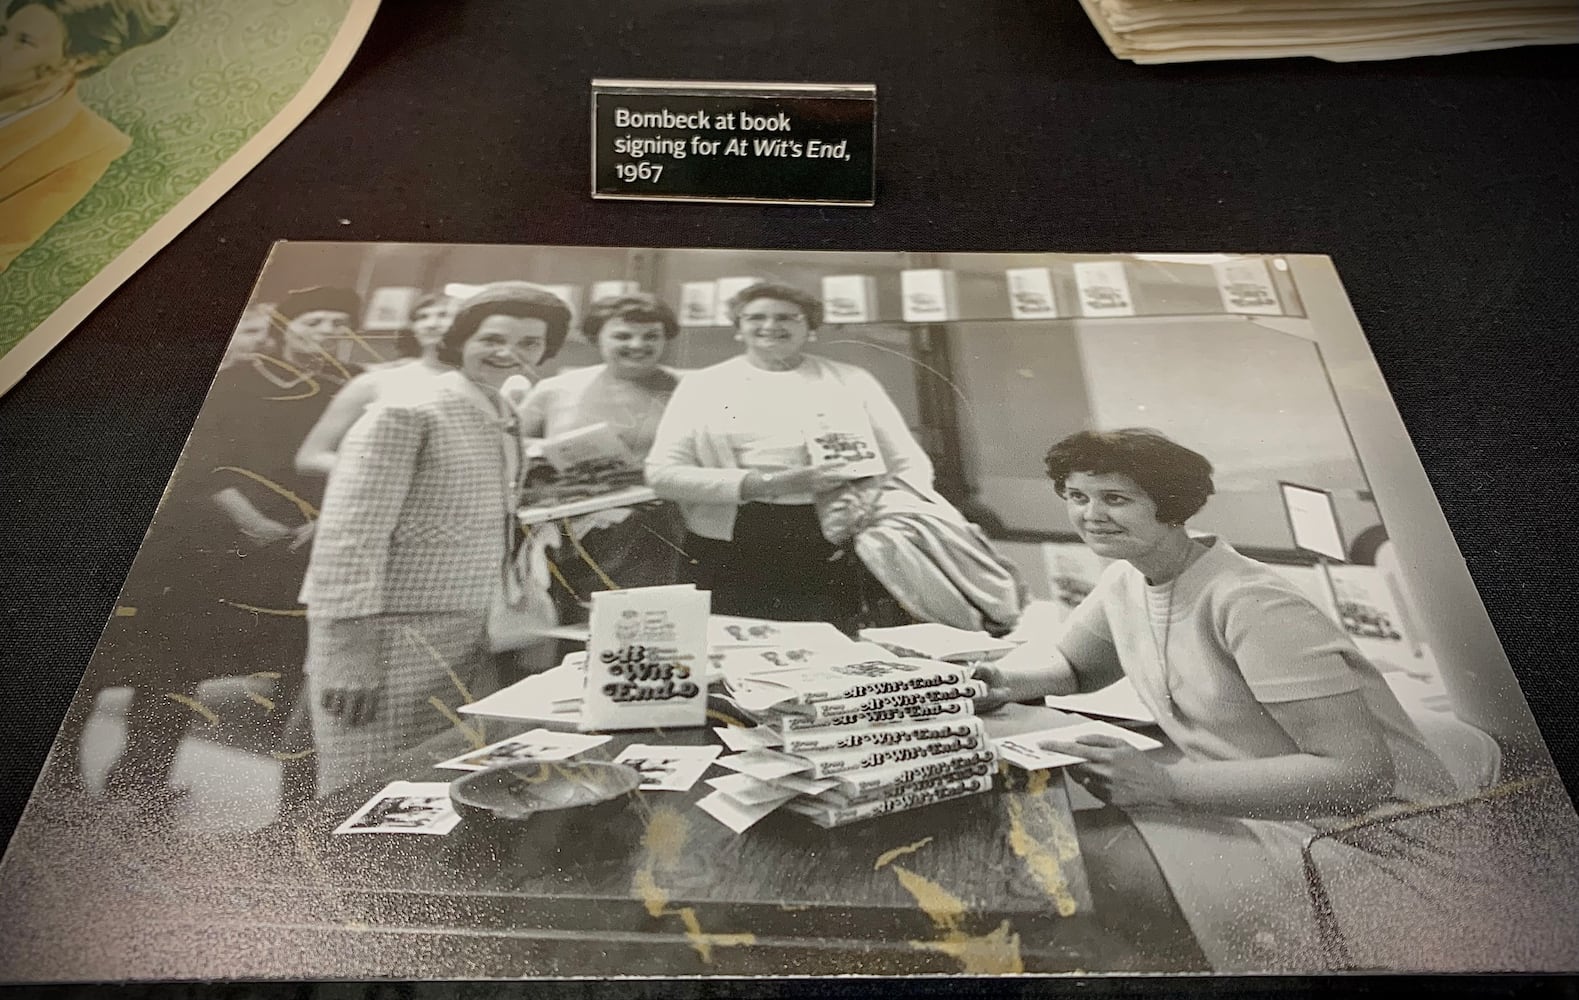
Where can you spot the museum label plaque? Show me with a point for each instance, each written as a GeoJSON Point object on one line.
{"type": "Point", "coordinates": [719, 141]}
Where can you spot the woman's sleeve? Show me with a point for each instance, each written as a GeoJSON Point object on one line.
{"type": "Point", "coordinates": [1087, 643]}
{"type": "Point", "coordinates": [675, 468]}
{"type": "Point", "coordinates": [533, 409]}
{"type": "Point", "coordinates": [1286, 647]}
{"type": "Point", "coordinates": [901, 452]}
{"type": "Point", "coordinates": [361, 507]}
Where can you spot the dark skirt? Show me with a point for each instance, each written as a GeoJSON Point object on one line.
{"type": "Point", "coordinates": [780, 567]}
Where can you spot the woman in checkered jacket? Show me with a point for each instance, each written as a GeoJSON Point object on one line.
{"type": "Point", "coordinates": [412, 540]}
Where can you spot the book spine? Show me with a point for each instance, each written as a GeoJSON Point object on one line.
{"type": "Point", "coordinates": [941, 791]}
{"type": "Point", "coordinates": [860, 705]}
{"type": "Point", "coordinates": [827, 763]}
{"type": "Point", "coordinates": [941, 711]}
{"type": "Point", "coordinates": [861, 783]}
{"type": "Point", "coordinates": [840, 689]}
{"type": "Point", "coordinates": [840, 798]}
{"type": "Point", "coordinates": [880, 736]}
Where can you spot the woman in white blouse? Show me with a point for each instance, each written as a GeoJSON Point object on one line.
{"type": "Point", "coordinates": [732, 451]}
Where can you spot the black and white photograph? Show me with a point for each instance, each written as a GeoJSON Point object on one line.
{"type": "Point", "coordinates": [539, 744]}
{"type": "Point", "coordinates": [1168, 492]}
{"type": "Point", "coordinates": [405, 807]}
{"type": "Point", "coordinates": [668, 769]}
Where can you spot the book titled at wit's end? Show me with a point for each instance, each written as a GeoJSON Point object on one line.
{"type": "Point", "coordinates": [647, 659]}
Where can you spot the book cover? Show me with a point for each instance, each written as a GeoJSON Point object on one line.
{"type": "Point", "coordinates": [646, 659]}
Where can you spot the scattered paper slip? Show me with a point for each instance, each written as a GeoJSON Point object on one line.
{"type": "Point", "coordinates": [746, 790]}
{"type": "Point", "coordinates": [405, 807]}
{"type": "Point", "coordinates": [764, 764]}
{"type": "Point", "coordinates": [668, 769]}
{"type": "Point", "coordinates": [741, 739]}
{"type": "Point", "coordinates": [552, 696]}
{"type": "Point", "coordinates": [729, 631]}
{"type": "Point", "coordinates": [1116, 701]}
{"type": "Point", "coordinates": [938, 642]}
{"type": "Point", "coordinates": [539, 744]}
{"type": "Point", "coordinates": [739, 816]}
{"type": "Point", "coordinates": [1024, 750]}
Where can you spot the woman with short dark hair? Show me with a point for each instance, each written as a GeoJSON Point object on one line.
{"type": "Point", "coordinates": [1281, 724]}
{"type": "Point", "coordinates": [410, 551]}
{"type": "Point", "coordinates": [46, 46]}
{"type": "Point", "coordinates": [631, 547]}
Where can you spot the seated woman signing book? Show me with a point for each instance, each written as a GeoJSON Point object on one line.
{"type": "Point", "coordinates": [1282, 725]}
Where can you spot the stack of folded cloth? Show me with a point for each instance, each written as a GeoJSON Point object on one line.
{"type": "Point", "coordinates": [856, 733]}
{"type": "Point", "coordinates": [1159, 31]}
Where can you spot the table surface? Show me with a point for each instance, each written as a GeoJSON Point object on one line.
{"type": "Point", "coordinates": [989, 883]}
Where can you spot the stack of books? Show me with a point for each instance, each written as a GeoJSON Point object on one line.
{"type": "Point", "coordinates": [1159, 31]}
{"type": "Point", "coordinates": [856, 735]}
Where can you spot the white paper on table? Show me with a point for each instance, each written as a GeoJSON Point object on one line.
{"type": "Point", "coordinates": [668, 768]}
{"type": "Point", "coordinates": [767, 765]}
{"type": "Point", "coordinates": [746, 790]}
{"type": "Point", "coordinates": [554, 695]}
{"type": "Point", "coordinates": [730, 631]}
{"type": "Point", "coordinates": [937, 641]}
{"type": "Point", "coordinates": [741, 739]}
{"type": "Point", "coordinates": [805, 785]}
{"type": "Point", "coordinates": [405, 807]}
{"type": "Point", "coordinates": [739, 816]}
{"type": "Point", "coordinates": [538, 744]}
{"type": "Point", "coordinates": [1116, 701]}
{"type": "Point", "coordinates": [1023, 750]}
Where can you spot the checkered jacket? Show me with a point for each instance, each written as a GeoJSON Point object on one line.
{"type": "Point", "coordinates": [417, 512]}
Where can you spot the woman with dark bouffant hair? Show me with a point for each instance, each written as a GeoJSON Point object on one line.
{"type": "Point", "coordinates": [412, 541]}
{"type": "Point", "coordinates": [1280, 724]}
{"type": "Point", "coordinates": [628, 392]}
{"type": "Point", "coordinates": [46, 46]}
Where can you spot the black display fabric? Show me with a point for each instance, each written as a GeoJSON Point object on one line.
{"type": "Point", "coordinates": [1444, 189]}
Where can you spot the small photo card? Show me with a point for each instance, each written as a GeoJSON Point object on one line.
{"type": "Point", "coordinates": [539, 744]}
{"type": "Point", "coordinates": [930, 295]}
{"type": "Point", "coordinates": [1104, 288]}
{"type": "Point", "coordinates": [1024, 749]}
{"type": "Point", "coordinates": [613, 289]}
{"type": "Point", "coordinates": [668, 769]}
{"type": "Point", "coordinates": [1313, 520]}
{"type": "Point", "coordinates": [849, 298]}
{"type": "Point", "coordinates": [699, 303]}
{"type": "Point", "coordinates": [1246, 287]}
{"type": "Point", "coordinates": [405, 807]}
{"type": "Point", "coordinates": [1031, 293]}
{"type": "Point", "coordinates": [740, 816]}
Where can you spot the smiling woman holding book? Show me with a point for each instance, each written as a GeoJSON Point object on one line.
{"type": "Point", "coordinates": [626, 394]}
{"type": "Point", "coordinates": [410, 551]}
{"type": "Point", "coordinates": [1280, 722]}
{"type": "Point", "coordinates": [735, 450]}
